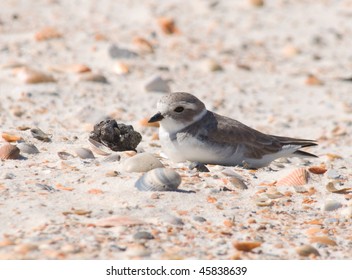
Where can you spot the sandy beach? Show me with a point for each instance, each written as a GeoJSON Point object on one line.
{"type": "Point", "coordinates": [283, 68]}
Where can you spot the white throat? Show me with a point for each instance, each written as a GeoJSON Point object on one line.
{"type": "Point", "coordinates": [170, 125]}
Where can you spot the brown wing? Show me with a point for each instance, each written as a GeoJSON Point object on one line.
{"type": "Point", "coordinates": [224, 130]}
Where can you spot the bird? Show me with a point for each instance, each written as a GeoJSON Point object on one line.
{"type": "Point", "coordinates": [188, 132]}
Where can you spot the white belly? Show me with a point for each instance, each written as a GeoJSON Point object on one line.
{"type": "Point", "coordinates": [194, 150]}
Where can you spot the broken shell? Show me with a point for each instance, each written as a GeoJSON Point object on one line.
{"type": "Point", "coordinates": [307, 250]}
{"type": "Point", "coordinates": [99, 148]}
{"type": "Point", "coordinates": [297, 177]}
{"type": "Point", "coordinates": [167, 25]}
{"type": "Point", "coordinates": [84, 153]}
{"type": "Point", "coordinates": [312, 80]}
{"type": "Point", "coordinates": [159, 179]}
{"type": "Point", "coordinates": [9, 151]}
{"type": "Point", "coordinates": [143, 44]}
{"type": "Point", "coordinates": [27, 148]}
{"type": "Point", "coordinates": [323, 240]}
{"type": "Point", "coordinates": [331, 188]}
{"type": "Point", "coordinates": [70, 68]}
{"type": "Point", "coordinates": [47, 33]}
{"type": "Point", "coordinates": [92, 77]}
{"type": "Point", "coordinates": [263, 201]}
{"type": "Point", "coordinates": [31, 76]}
{"type": "Point", "coordinates": [64, 155]}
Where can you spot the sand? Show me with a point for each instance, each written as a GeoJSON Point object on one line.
{"type": "Point", "coordinates": [282, 72]}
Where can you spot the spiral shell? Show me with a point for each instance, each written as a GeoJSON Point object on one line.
{"type": "Point", "coordinates": [159, 179]}
{"type": "Point", "coordinates": [9, 151]}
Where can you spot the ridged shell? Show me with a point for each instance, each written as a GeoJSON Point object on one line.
{"type": "Point", "coordinates": [297, 177]}
{"type": "Point", "coordinates": [9, 151]}
{"type": "Point", "coordinates": [159, 179]}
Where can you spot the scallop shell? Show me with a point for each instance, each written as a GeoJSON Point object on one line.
{"type": "Point", "coordinates": [297, 177]}
{"type": "Point", "coordinates": [159, 179]}
{"type": "Point", "coordinates": [84, 153]}
{"type": "Point", "coordinates": [27, 148]}
{"type": "Point", "coordinates": [9, 151]}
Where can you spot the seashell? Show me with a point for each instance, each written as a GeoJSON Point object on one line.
{"type": "Point", "coordinates": [64, 155]}
{"type": "Point", "coordinates": [263, 201]}
{"type": "Point", "coordinates": [312, 80]}
{"type": "Point", "coordinates": [307, 250]}
{"type": "Point", "coordinates": [297, 177]}
{"type": "Point", "coordinates": [30, 76]}
{"type": "Point", "coordinates": [141, 163]}
{"type": "Point", "coordinates": [10, 137]}
{"type": "Point", "coordinates": [331, 205]}
{"type": "Point", "coordinates": [47, 33]}
{"type": "Point", "coordinates": [92, 77]}
{"type": "Point", "coordinates": [238, 183]}
{"type": "Point", "coordinates": [37, 133]}
{"type": "Point", "coordinates": [167, 25]}
{"type": "Point", "coordinates": [143, 44]}
{"type": "Point", "coordinates": [120, 68]}
{"type": "Point", "coordinates": [84, 153]}
{"type": "Point", "coordinates": [317, 169]}
{"type": "Point", "coordinates": [323, 240]}
{"type": "Point", "coordinates": [246, 246]}
{"type": "Point", "coordinates": [99, 148]}
{"type": "Point", "coordinates": [112, 158]}
{"type": "Point", "coordinates": [331, 188]}
{"type": "Point", "coordinates": [70, 68]}
{"type": "Point", "coordinates": [159, 179]}
{"type": "Point", "coordinates": [27, 148]}
{"type": "Point", "coordinates": [211, 65]}
{"type": "Point", "coordinates": [9, 151]}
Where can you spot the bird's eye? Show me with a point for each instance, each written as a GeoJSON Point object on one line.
{"type": "Point", "coordinates": [179, 109]}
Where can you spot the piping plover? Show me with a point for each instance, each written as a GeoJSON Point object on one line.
{"type": "Point", "coordinates": [189, 132]}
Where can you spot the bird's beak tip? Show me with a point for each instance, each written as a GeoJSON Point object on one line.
{"type": "Point", "coordinates": [157, 117]}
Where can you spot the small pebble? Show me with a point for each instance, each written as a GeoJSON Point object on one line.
{"type": "Point", "coordinates": [346, 212]}
{"type": "Point", "coordinates": [117, 52]}
{"type": "Point", "coordinates": [307, 250]}
{"type": "Point", "coordinates": [157, 84]}
{"type": "Point", "coordinates": [332, 174]}
{"type": "Point", "coordinates": [331, 205]}
{"type": "Point", "coordinates": [112, 158]}
{"type": "Point", "coordinates": [199, 219]}
{"type": "Point", "coordinates": [143, 235]}
{"type": "Point", "coordinates": [170, 219]}
{"type": "Point", "coordinates": [141, 163]}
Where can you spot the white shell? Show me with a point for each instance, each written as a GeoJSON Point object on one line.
{"type": "Point", "coordinates": [84, 153]}
{"type": "Point", "coordinates": [99, 148]}
{"type": "Point", "coordinates": [159, 179]}
{"type": "Point", "coordinates": [28, 148]}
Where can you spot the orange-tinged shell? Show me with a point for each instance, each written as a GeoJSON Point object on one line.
{"type": "Point", "coordinates": [167, 25]}
{"type": "Point", "coordinates": [9, 151]}
{"type": "Point", "coordinates": [47, 33]}
{"type": "Point", "coordinates": [120, 68]}
{"type": "Point", "coordinates": [323, 240]}
{"type": "Point", "coordinates": [246, 246]}
{"type": "Point", "coordinates": [31, 76]}
{"type": "Point", "coordinates": [71, 68]}
{"type": "Point", "coordinates": [297, 177]}
{"type": "Point", "coordinates": [317, 169]}
{"type": "Point", "coordinates": [10, 137]}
